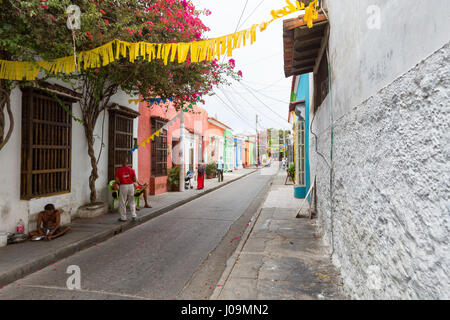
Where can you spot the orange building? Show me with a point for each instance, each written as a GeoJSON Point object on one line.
{"type": "Point", "coordinates": [216, 139]}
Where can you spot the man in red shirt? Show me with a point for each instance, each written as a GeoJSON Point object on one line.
{"type": "Point", "coordinates": [126, 177]}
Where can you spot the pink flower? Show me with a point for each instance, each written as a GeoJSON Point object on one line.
{"type": "Point", "coordinates": [232, 63]}
{"type": "Point", "coordinates": [44, 6]}
{"type": "Point", "coordinates": [240, 73]}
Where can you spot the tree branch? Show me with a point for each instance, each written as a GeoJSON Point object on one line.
{"type": "Point", "coordinates": [6, 100]}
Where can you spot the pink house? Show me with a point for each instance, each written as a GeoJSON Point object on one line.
{"type": "Point", "coordinates": [162, 153]}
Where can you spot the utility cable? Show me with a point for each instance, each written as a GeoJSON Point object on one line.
{"type": "Point", "coordinates": [232, 103]}
{"type": "Point", "coordinates": [232, 110]}
{"type": "Point", "coordinates": [284, 120]}
{"type": "Point", "coordinates": [254, 10]}
{"type": "Point", "coordinates": [268, 97]}
{"type": "Point", "coordinates": [256, 109]}
{"type": "Point", "coordinates": [237, 26]}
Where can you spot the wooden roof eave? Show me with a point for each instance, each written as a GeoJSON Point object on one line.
{"type": "Point", "coordinates": [123, 110]}
{"type": "Point", "coordinates": [303, 46]}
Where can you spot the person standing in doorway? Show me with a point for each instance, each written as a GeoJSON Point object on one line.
{"type": "Point", "coordinates": [220, 169]}
{"type": "Point", "coordinates": [126, 177]}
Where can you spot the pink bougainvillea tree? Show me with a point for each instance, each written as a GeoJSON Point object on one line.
{"type": "Point", "coordinates": [38, 28]}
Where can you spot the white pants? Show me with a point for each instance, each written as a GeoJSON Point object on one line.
{"type": "Point", "coordinates": [126, 194]}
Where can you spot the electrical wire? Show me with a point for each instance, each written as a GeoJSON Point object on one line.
{"type": "Point", "coordinates": [232, 110]}
{"type": "Point", "coordinates": [237, 26]}
{"type": "Point", "coordinates": [256, 109]}
{"type": "Point", "coordinates": [232, 103]}
{"type": "Point", "coordinates": [269, 97]}
{"type": "Point", "coordinates": [284, 120]}
{"type": "Point", "coordinates": [254, 10]}
{"type": "Point", "coordinates": [265, 84]}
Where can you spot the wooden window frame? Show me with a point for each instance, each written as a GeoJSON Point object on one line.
{"type": "Point", "coordinates": [159, 148]}
{"type": "Point", "coordinates": [115, 143]}
{"type": "Point", "coordinates": [321, 72]}
{"type": "Point", "coordinates": [121, 138]}
{"type": "Point", "coordinates": [46, 149]}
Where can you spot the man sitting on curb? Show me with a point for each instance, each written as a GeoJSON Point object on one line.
{"type": "Point", "coordinates": [50, 219]}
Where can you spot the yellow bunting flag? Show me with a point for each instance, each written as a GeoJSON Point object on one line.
{"type": "Point", "coordinates": [135, 101]}
{"type": "Point", "coordinates": [204, 50]}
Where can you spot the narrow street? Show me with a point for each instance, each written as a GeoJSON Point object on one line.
{"type": "Point", "coordinates": [203, 152]}
{"type": "Point", "coordinates": [181, 254]}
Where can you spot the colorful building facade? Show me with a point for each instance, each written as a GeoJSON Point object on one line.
{"type": "Point", "coordinates": [238, 152]}
{"type": "Point", "coordinates": [163, 153]}
{"type": "Point", "coordinates": [228, 152]}
{"type": "Point", "coordinates": [299, 118]}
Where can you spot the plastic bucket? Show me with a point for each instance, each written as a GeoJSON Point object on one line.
{"type": "Point", "coordinates": [3, 239]}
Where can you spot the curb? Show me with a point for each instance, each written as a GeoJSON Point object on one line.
{"type": "Point", "coordinates": [226, 274]}
{"type": "Point", "coordinates": [38, 264]}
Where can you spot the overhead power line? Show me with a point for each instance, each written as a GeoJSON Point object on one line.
{"type": "Point", "coordinates": [284, 120]}
{"type": "Point", "coordinates": [237, 25]}
{"type": "Point", "coordinates": [237, 104]}
{"type": "Point", "coordinates": [254, 10]}
{"type": "Point", "coordinates": [256, 109]}
{"type": "Point", "coordinates": [268, 97]}
{"type": "Point", "coordinates": [232, 110]}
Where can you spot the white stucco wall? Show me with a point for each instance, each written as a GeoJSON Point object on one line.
{"type": "Point", "coordinates": [389, 220]}
{"type": "Point", "coordinates": [12, 208]}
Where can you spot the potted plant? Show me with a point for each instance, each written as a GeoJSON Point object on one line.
{"type": "Point", "coordinates": [211, 169]}
{"type": "Point", "coordinates": [291, 173]}
{"type": "Point", "coordinates": [173, 177]}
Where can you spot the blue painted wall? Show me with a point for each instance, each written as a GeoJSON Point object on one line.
{"type": "Point", "coordinates": [303, 94]}
{"type": "Point", "coordinates": [238, 151]}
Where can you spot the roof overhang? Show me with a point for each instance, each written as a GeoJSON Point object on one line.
{"type": "Point", "coordinates": [123, 110]}
{"type": "Point", "coordinates": [219, 124]}
{"type": "Point", "coordinates": [303, 47]}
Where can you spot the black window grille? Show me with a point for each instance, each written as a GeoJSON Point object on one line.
{"type": "Point", "coordinates": [46, 144]}
{"type": "Point", "coordinates": [159, 148]}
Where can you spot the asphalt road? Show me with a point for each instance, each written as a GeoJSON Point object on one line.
{"type": "Point", "coordinates": [179, 255]}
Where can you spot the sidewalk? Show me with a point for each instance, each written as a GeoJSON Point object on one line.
{"type": "Point", "coordinates": [18, 260]}
{"type": "Point", "coordinates": [281, 257]}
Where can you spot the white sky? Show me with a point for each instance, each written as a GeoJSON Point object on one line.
{"type": "Point", "coordinates": [261, 63]}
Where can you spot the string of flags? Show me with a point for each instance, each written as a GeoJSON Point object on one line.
{"type": "Point", "coordinates": [152, 101]}
{"type": "Point", "coordinates": [157, 101]}
{"type": "Point", "coordinates": [156, 134]}
{"type": "Point", "coordinates": [198, 51]}
{"type": "Point", "coordinates": [166, 126]}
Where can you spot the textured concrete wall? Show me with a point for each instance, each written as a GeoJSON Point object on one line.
{"type": "Point", "coordinates": [389, 220]}
{"type": "Point", "coordinates": [365, 58]}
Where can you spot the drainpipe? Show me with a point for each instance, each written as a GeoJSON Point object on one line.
{"type": "Point", "coordinates": [182, 152]}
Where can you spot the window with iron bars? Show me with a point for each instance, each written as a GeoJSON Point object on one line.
{"type": "Point", "coordinates": [46, 144]}
{"type": "Point", "coordinates": [159, 148]}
